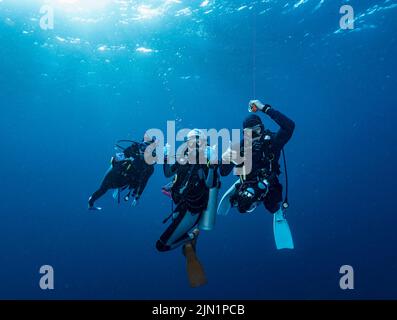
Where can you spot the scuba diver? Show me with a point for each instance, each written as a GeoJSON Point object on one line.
{"type": "Point", "coordinates": [129, 169]}
{"type": "Point", "coordinates": [261, 184]}
{"type": "Point", "coordinates": [194, 193]}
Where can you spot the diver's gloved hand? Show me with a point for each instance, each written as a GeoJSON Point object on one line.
{"type": "Point", "coordinates": [255, 105]}
{"type": "Point", "coordinates": [230, 155]}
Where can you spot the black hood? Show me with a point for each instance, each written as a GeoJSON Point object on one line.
{"type": "Point", "coordinates": [251, 121]}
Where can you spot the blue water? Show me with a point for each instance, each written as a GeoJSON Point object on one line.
{"type": "Point", "coordinates": [110, 72]}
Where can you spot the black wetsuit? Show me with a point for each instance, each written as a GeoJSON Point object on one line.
{"type": "Point", "coordinates": [190, 194]}
{"type": "Point", "coordinates": [265, 162]}
{"type": "Point", "coordinates": [133, 173]}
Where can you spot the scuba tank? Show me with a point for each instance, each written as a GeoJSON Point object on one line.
{"type": "Point", "coordinates": [207, 221]}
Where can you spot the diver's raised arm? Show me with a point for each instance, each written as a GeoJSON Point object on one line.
{"type": "Point", "coordinates": [169, 169]}
{"type": "Point", "coordinates": [287, 126]}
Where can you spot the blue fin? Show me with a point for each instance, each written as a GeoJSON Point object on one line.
{"type": "Point", "coordinates": [282, 232]}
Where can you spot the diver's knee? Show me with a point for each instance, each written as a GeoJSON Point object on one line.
{"type": "Point", "coordinates": [161, 246]}
{"type": "Point", "coordinates": [272, 208]}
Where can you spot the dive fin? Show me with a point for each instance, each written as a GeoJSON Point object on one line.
{"type": "Point", "coordinates": [94, 208]}
{"type": "Point", "coordinates": [195, 270]}
{"type": "Point", "coordinates": [225, 205]}
{"type": "Point", "coordinates": [282, 231]}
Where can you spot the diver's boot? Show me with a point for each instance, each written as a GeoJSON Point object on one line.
{"type": "Point", "coordinates": [91, 205]}
{"type": "Point", "coordinates": [193, 235]}
{"type": "Point", "coordinates": [194, 268]}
